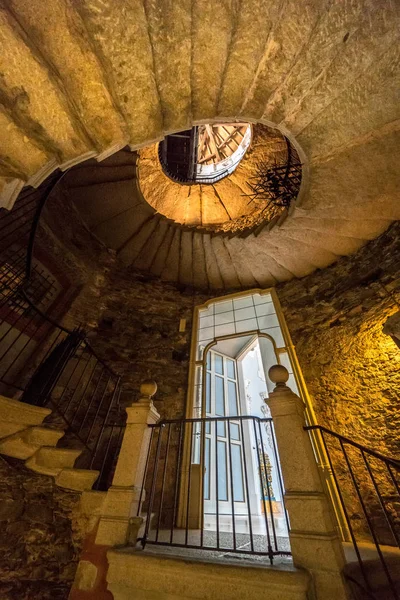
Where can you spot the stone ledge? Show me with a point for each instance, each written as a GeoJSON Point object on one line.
{"type": "Point", "coordinates": [13, 411]}
{"type": "Point", "coordinates": [136, 574]}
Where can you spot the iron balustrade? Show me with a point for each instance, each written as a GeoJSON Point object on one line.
{"type": "Point", "coordinates": [368, 487]}
{"type": "Point", "coordinates": [42, 362]}
{"type": "Point", "coordinates": [196, 496]}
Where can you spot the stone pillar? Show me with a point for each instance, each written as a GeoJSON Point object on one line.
{"type": "Point", "coordinates": [313, 537]}
{"type": "Point", "coordinates": [119, 523]}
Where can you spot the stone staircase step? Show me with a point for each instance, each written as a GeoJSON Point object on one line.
{"type": "Point", "coordinates": [200, 278]}
{"type": "Point", "coordinates": [132, 248]}
{"type": "Point", "coordinates": [172, 60]}
{"type": "Point", "coordinates": [361, 228]}
{"type": "Point", "coordinates": [63, 129]}
{"type": "Point", "coordinates": [16, 416]}
{"type": "Point", "coordinates": [266, 266]}
{"type": "Point", "coordinates": [150, 248]}
{"type": "Point", "coordinates": [79, 480]}
{"type": "Point", "coordinates": [42, 436]}
{"type": "Point", "coordinates": [246, 51]}
{"type": "Point", "coordinates": [226, 267]}
{"type": "Point", "coordinates": [131, 63]}
{"type": "Point", "coordinates": [96, 175]}
{"type": "Point", "coordinates": [170, 271]}
{"type": "Point", "coordinates": [284, 256]}
{"type": "Point", "coordinates": [273, 63]}
{"type": "Point", "coordinates": [28, 441]}
{"type": "Point", "coordinates": [212, 208]}
{"type": "Point", "coordinates": [213, 273]}
{"type": "Point", "coordinates": [50, 461]}
{"type": "Point", "coordinates": [316, 256]}
{"type": "Point", "coordinates": [334, 243]}
{"type": "Point", "coordinates": [123, 158]}
{"type": "Point", "coordinates": [23, 437]}
{"type": "Point", "coordinates": [252, 266]}
{"type": "Point", "coordinates": [212, 28]}
{"type": "Point", "coordinates": [160, 258]}
{"type": "Point", "coordinates": [186, 258]}
{"type": "Point", "coordinates": [116, 232]}
{"type": "Point", "coordinates": [245, 275]}
{"type": "Point", "coordinates": [192, 212]}
{"type": "Point", "coordinates": [77, 67]}
{"type": "Point", "coordinates": [101, 202]}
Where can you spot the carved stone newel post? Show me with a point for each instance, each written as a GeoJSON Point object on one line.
{"type": "Point", "coordinates": [313, 537]}
{"type": "Point", "coordinates": [122, 501]}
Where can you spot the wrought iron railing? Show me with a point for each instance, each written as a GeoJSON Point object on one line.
{"type": "Point", "coordinates": [275, 187]}
{"type": "Point", "coordinates": [368, 486]}
{"type": "Point", "coordinates": [42, 362]}
{"type": "Point", "coordinates": [215, 484]}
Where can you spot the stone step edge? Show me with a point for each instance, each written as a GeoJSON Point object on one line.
{"type": "Point", "coordinates": [26, 442]}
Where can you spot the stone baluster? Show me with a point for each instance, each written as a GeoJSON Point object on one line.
{"type": "Point", "coordinates": [313, 537]}
{"type": "Point", "coordinates": [119, 515]}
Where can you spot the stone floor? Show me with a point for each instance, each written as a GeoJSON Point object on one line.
{"type": "Point", "coordinates": [224, 540]}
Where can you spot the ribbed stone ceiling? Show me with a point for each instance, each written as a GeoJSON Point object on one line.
{"type": "Point", "coordinates": [82, 79]}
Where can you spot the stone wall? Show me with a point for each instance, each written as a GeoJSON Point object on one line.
{"type": "Point", "coordinates": [352, 369]}
{"type": "Point", "coordinates": [39, 547]}
{"type": "Point", "coordinates": [138, 334]}
{"type": "Point", "coordinates": [335, 317]}
{"type": "Point", "coordinates": [79, 257]}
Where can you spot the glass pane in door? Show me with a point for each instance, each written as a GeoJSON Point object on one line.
{"type": "Point", "coordinates": [219, 396]}
{"type": "Point", "coordinates": [232, 399]}
{"type": "Point", "coordinates": [237, 474]}
{"type": "Point", "coordinates": [222, 472]}
{"type": "Point", "coordinates": [207, 466]}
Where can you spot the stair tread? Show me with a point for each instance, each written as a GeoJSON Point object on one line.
{"type": "Point", "coordinates": [135, 88]}
{"type": "Point", "coordinates": [213, 272]}
{"type": "Point", "coordinates": [186, 258]}
{"type": "Point", "coordinates": [103, 201]}
{"type": "Point", "coordinates": [258, 265]}
{"type": "Point", "coordinates": [117, 230]}
{"type": "Point", "coordinates": [172, 61]}
{"type": "Point", "coordinates": [199, 266]}
{"type": "Point", "coordinates": [170, 270]}
{"type": "Point", "coordinates": [243, 269]}
{"type": "Point", "coordinates": [160, 258]}
{"type": "Point", "coordinates": [335, 243]}
{"type": "Point", "coordinates": [132, 248]}
{"type": "Point", "coordinates": [150, 248]}
{"type": "Point", "coordinates": [93, 176]}
{"type": "Point", "coordinates": [285, 258]}
{"type": "Point", "coordinates": [316, 256]}
{"type": "Point", "coordinates": [226, 267]}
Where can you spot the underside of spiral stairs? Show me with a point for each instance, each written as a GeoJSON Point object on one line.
{"type": "Point", "coordinates": [83, 80]}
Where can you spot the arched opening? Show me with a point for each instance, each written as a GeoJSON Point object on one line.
{"type": "Point", "coordinates": [204, 154]}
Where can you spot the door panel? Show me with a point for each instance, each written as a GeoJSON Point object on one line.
{"type": "Point", "coordinates": [223, 448]}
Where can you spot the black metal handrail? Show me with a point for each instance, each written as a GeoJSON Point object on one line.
{"type": "Point", "coordinates": [45, 363]}
{"type": "Point", "coordinates": [215, 484]}
{"type": "Point", "coordinates": [367, 483]}
{"type": "Point", "coordinates": [392, 461]}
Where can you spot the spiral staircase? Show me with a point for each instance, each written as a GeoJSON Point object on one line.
{"type": "Point", "coordinates": [82, 80]}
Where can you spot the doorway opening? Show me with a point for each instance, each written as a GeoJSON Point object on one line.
{"type": "Point", "coordinates": [242, 481]}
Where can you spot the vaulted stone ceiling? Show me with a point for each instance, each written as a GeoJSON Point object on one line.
{"type": "Point", "coordinates": [84, 78]}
